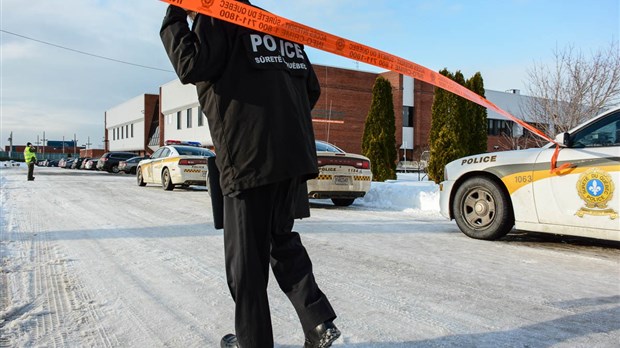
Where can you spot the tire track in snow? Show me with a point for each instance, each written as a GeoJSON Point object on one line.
{"type": "Point", "coordinates": [50, 298]}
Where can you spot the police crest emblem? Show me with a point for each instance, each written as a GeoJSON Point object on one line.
{"type": "Point", "coordinates": [596, 188]}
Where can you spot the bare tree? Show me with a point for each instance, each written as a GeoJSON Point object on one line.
{"type": "Point", "coordinates": [575, 89]}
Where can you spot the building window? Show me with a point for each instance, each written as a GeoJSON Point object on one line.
{"type": "Point", "coordinates": [113, 134]}
{"type": "Point", "coordinates": [122, 133]}
{"type": "Point", "coordinates": [132, 130]}
{"type": "Point", "coordinates": [407, 116]}
{"type": "Point", "coordinates": [189, 118]}
{"type": "Point", "coordinates": [201, 117]}
{"type": "Point", "coordinates": [499, 127]}
{"type": "Point", "coordinates": [178, 119]}
{"type": "Point", "coordinates": [127, 131]}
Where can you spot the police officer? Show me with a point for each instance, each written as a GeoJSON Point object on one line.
{"type": "Point", "coordinates": [30, 157]}
{"type": "Point", "coordinates": [257, 91]}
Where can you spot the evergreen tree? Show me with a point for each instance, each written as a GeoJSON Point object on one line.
{"type": "Point", "coordinates": [443, 135]}
{"type": "Point", "coordinates": [462, 120]}
{"type": "Point", "coordinates": [458, 126]}
{"type": "Point", "coordinates": [478, 115]}
{"type": "Point", "coordinates": [379, 139]}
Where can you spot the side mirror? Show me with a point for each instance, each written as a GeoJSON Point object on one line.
{"type": "Point", "coordinates": [563, 139]}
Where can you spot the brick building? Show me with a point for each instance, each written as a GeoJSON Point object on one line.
{"type": "Point", "coordinates": [346, 95]}
{"type": "Point", "coordinates": [143, 123]}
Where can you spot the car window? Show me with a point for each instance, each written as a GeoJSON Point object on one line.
{"type": "Point", "coordinates": [157, 153]}
{"type": "Point", "coordinates": [604, 132]}
{"type": "Point", "coordinates": [193, 151]}
{"type": "Point", "coordinates": [321, 146]}
{"type": "Point", "coordinates": [165, 152]}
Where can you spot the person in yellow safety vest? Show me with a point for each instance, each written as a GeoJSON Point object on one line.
{"type": "Point", "coordinates": [30, 157]}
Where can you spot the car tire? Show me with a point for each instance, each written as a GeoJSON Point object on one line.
{"type": "Point", "coordinates": [482, 209]}
{"type": "Point", "coordinates": [166, 180]}
{"type": "Point", "coordinates": [140, 178]}
{"type": "Point", "coordinates": [115, 169]}
{"type": "Point", "coordinates": [343, 202]}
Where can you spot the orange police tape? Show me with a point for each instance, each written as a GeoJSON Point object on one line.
{"type": "Point", "coordinates": [269, 23]}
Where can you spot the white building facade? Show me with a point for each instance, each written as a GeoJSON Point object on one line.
{"type": "Point", "coordinates": [125, 125]}
{"type": "Point", "coordinates": [182, 115]}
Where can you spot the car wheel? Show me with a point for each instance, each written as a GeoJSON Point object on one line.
{"type": "Point", "coordinates": [482, 210]}
{"type": "Point", "coordinates": [140, 179]}
{"type": "Point", "coordinates": [343, 202]}
{"type": "Point", "coordinates": [166, 180]}
{"type": "Point", "coordinates": [115, 169]}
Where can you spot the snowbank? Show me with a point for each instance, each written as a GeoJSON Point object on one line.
{"type": "Point", "coordinates": [404, 194]}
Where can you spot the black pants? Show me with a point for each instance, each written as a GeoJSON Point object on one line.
{"type": "Point", "coordinates": [30, 170]}
{"type": "Point", "coordinates": [258, 232]}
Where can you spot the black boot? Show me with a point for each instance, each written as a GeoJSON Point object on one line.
{"type": "Point", "coordinates": [322, 336]}
{"type": "Point", "coordinates": [229, 341]}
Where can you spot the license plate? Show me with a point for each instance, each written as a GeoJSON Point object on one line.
{"type": "Point", "coordinates": [341, 180]}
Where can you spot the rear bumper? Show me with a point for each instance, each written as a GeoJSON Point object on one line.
{"type": "Point", "coordinates": [336, 194]}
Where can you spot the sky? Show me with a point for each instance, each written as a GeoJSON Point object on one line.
{"type": "Point", "coordinates": [64, 63]}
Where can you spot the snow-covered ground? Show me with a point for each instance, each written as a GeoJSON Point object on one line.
{"type": "Point", "coordinates": [91, 259]}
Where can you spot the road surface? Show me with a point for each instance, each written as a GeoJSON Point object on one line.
{"type": "Point", "coordinates": [89, 259]}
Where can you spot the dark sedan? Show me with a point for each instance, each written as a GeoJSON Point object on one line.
{"type": "Point", "coordinates": [129, 165]}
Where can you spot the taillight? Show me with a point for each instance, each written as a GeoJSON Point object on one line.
{"type": "Point", "coordinates": [343, 161]}
{"type": "Point", "coordinates": [191, 162]}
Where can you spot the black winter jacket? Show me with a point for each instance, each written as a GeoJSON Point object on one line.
{"type": "Point", "coordinates": [256, 91]}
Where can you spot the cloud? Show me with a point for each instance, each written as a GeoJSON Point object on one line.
{"type": "Point", "coordinates": [47, 88]}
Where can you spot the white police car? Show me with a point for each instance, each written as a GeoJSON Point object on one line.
{"type": "Point", "coordinates": [343, 177]}
{"type": "Point", "coordinates": [177, 163]}
{"type": "Point", "coordinates": [488, 194]}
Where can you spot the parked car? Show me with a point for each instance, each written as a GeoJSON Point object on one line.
{"type": "Point", "coordinates": [91, 164]}
{"type": "Point", "coordinates": [77, 163]}
{"type": "Point", "coordinates": [65, 163]}
{"type": "Point", "coordinates": [83, 164]}
{"type": "Point", "coordinates": [50, 163]}
{"type": "Point", "coordinates": [130, 165]}
{"type": "Point", "coordinates": [177, 163]}
{"type": "Point", "coordinates": [110, 160]}
{"type": "Point", "coordinates": [489, 194]}
{"type": "Point", "coordinates": [343, 177]}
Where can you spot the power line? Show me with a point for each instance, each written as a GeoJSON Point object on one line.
{"type": "Point", "coordinates": [82, 52]}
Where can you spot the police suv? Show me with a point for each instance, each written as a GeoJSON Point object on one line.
{"type": "Point", "coordinates": [489, 194]}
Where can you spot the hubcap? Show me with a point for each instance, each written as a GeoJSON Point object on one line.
{"type": "Point", "coordinates": [479, 208]}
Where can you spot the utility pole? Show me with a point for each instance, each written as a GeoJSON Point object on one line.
{"type": "Point", "coordinates": [88, 143]}
{"type": "Point", "coordinates": [63, 145]}
{"type": "Point", "coordinates": [11, 144]}
{"type": "Point", "coordinates": [74, 144]}
{"type": "Point", "coordinates": [44, 140]}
